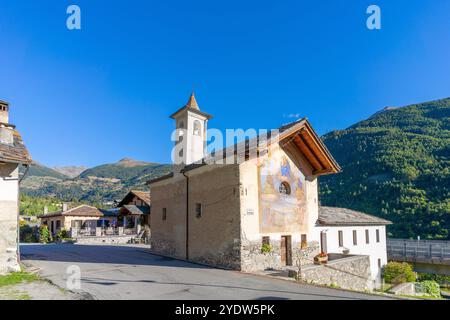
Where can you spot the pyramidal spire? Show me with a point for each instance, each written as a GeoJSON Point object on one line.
{"type": "Point", "coordinates": [192, 103]}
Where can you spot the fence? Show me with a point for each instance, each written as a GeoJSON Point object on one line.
{"type": "Point", "coordinates": [98, 231]}
{"type": "Point", "coordinates": [427, 251]}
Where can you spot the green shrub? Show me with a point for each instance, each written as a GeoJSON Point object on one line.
{"type": "Point", "coordinates": [266, 248]}
{"type": "Point", "coordinates": [28, 234]}
{"type": "Point", "coordinates": [44, 234]}
{"type": "Point", "coordinates": [396, 272]}
{"type": "Point", "coordinates": [430, 287]}
{"type": "Point", "coordinates": [444, 281]}
{"type": "Point", "coordinates": [62, 234]}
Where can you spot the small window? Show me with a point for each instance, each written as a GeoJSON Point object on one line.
{"type": "Point", "coordinates": [265, 240]}
{"type": "Point", "coordinates": [285, 188]}
{"type": "Point", "coordinates": [198, 210]}
{"type": "Point", "coordinates": [58, 224]}
{"type": "Point", "coordinates": [379, 263]}
{"type": "Point", "coordinates": [304, 243]}
{"type": "Point", "coordinates": [367, 236]}
{"type": "Point", "coordinates": [378, 235]}
{"type": "Point", "coordinates": [341, 238]}
{"type": "Point", "coordinates": [164, 214]}
{"type": "Point", "coordinates": [355, 238]}
{"type": "Point", "coordinates": [197, 128]}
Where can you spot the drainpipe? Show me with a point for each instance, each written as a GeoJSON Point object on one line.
{"type": "Point", "coordinates": [187, 214]}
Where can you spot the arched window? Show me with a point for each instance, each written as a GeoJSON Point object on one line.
{"type": "Point", "coordinates": [197, 128]}
{"type": "Point", "coordinates": [285, 188]}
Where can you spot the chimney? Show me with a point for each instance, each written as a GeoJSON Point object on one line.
{"type": "Point", "coordinates": [6, 131]}
{"type": "Point", "coordinates": [65, 207]}
{"type": "Point", "coordinates": [4, 112]}
{"type": "Point", "coordinates": [45, 210]}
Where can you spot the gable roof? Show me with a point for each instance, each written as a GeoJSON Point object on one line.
{"type": "Point", "coordinates": [80, 211]}
{"type": "Point", "coordinates": [142, 195]}
{"type": "Point", "coordinates": [299, 134]}
{"type": "Point", "coordinates": [331, 216]}
{"type": "Point", "coordinates": [15, 152]}
{"type": "Point", "coordinates": [136, 210]}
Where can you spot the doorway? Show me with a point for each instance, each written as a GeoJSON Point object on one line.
{"type": "Point", "coordinates": [286, 250]}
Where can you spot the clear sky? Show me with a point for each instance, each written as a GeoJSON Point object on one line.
{"type": "Point", "coordinates": [105, 92]}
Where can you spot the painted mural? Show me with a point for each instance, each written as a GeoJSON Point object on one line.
{"type": "Point", "coordinates": [282, 196]}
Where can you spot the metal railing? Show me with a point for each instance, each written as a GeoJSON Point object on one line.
{"type": "Point", "coordinates": [433, 251]}
{"type": "Point", "coordinates": [109, 231]}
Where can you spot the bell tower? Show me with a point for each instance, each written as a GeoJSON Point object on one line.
{"type": "Point", "coordinates": [190, 140]}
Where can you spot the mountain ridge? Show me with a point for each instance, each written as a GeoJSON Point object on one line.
{"type": "Point", "coordinates": [99, 184]}
{"type": "Point", "coordinates": [396, 166]}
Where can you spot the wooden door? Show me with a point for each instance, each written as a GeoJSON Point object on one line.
{"type": "Point", "coordinates": [286, 250]}
{"type": "Point", "coordinates": [283, 250]}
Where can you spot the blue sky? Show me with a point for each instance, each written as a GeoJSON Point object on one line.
{"type": "Point", "coordinates": [105, 92]}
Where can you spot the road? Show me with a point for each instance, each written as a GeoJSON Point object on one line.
{"type": "Point", "coordinates": [132, 272]}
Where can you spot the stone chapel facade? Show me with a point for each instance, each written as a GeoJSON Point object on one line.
{"type": "Point", "coordinates": [223, 214]}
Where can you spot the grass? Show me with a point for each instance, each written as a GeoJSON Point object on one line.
{"type": "Point", "coordinates": [16, 278]}
{"type": "Point", "coordinates": [422, 297]}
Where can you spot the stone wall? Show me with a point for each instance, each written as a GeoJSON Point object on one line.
{"type": "Point", "coordinates": [104, 240]}
{"type": "Point", "coordinates": [8, 218]}
{"type": "Point", "coordinates": [254, 260]}
{"type": "Point", "coordinates": [352, 273]}
{"type": "Point", "coordinates": [213, 235]}
{"type": "Point", "coordinates": [407, 288]}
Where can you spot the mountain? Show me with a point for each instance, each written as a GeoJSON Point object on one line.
{"type": "Point", "coordinates": [396, 165]}
{"type": "Point", "coordinates": [39, 170]}
{"type": "Point", "coordinates": [70, 171]}
{"type": "Point", "coordinates": [96, 185]}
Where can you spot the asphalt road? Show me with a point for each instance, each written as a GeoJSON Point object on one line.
{"type": "Point", "coordinates": [132, 272]}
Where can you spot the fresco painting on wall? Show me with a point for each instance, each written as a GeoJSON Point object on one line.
{"type": "Point", "coordinates": [282, 196]}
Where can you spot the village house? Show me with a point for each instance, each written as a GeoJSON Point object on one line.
{"type": "Point", "coordinates": [82, 217]}
{"type": "Point", "coordinates": [261, 213]}
{"type": "Point", "coordinates": [13, 154]}
{"type": "Point", "coordinates": [134, 209]}
{"type": "Point", "coordinates": [129, 220]}
{"type": "Point", "coordinates": [342, 230]}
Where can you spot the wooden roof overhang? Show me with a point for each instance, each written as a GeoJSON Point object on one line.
{"type": "Point", "coordinates": [305, 140]}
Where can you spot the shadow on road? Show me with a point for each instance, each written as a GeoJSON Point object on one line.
{"type": "Point", "coordinates": [128, 255]}
{"type": "Point", "coordinates": [109, 282]}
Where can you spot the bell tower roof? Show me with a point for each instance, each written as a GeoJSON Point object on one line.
{"type": "Point", "coordinates": [192, 106]}
{"type": "Point", "coordinates": [192, 103]}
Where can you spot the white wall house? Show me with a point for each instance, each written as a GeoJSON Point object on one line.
{"type": "Point", "coordinates": [339, 230]}
{"type": "Point", "coordinates": [12, 154]}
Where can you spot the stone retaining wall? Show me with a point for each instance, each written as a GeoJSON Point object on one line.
{"type": "Point", "coordinates": [352, 273]}
{"type": "Point", "coordinates": [252, 259]}
{"type": "Point", "coordinates": [105, 240]}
